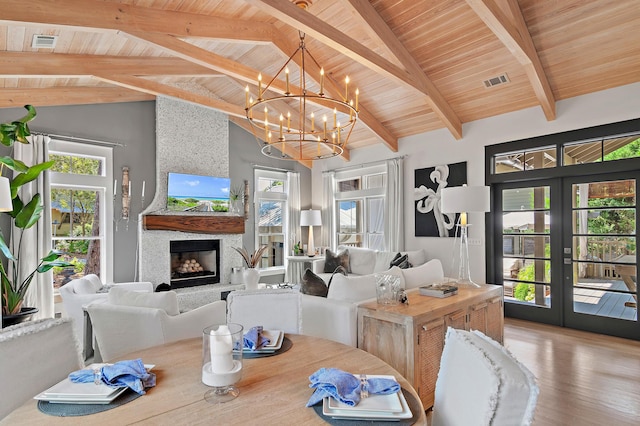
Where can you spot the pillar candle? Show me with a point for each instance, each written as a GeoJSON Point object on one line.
{"type": "Point", "coordinates": [221, 347]}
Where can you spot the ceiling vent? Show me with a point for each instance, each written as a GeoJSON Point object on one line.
{"type": "Point", "coordinates": [496, 81]}
{"type": "Point", "coordinates": [41, 41]}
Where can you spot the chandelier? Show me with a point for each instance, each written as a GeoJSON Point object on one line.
{"type": "Point", "coordinates": [301, 122]}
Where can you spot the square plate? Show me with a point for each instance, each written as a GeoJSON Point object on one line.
{"type": "Point", "coordinates": [392, 407]}
{"type": "Point", "coordinates": [275, 336]}
{"type": "Point", "coordinates": [67, 391]}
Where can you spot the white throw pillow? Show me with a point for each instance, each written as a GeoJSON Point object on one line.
{"type": "Point", "coordinates": [427, 273]}
{"type": "Point", "coordinates": [416, 257]}
{"type": "Point", "coordinates": [82, 286]}
{"type": "Point", "coordinates": [361, 260]}
{"type": "Point", "coordinates": [383, 260]}
{"type": "Point", "coordinates": [95, 281]}
{"type": "Point", "coordinates": [165, 300]}
{"type": "Point", "coordinates": [352, 288]}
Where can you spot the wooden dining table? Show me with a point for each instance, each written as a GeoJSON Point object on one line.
{"type": "Point", "coordinates": [273, 390]}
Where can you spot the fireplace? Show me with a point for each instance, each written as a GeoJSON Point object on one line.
{"type": "Point", "coordinates": [194, 262]}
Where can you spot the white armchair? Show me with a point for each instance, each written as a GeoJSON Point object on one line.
{"type": "Point", "coordinates": [272, 309]}
{"type": "Point", "coordinates": [82, 291]}
{"type": "Point", "coordinates": [124, 328]}
{"type": "Point", "coordinates": [34, 356]}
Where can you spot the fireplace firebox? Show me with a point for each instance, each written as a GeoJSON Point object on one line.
{"type": "Point", "coordinates": [194, 262]}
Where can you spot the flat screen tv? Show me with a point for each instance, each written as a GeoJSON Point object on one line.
{"type": "Point", "coordinates": [197, 193]}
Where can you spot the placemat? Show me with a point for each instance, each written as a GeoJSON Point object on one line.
{"type": "Point", "coordinates": [286, 345]}
{"type": "Point", "coordinates": [412, 402]}
{"type": "Point", "coordinates": [72, 410]}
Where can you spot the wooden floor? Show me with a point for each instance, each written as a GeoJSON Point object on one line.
{"type": "Point", "coordinates": [584, 378]}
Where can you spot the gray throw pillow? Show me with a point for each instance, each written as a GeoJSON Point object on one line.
{"type": "Point", "coordinates": [313, 284]}
{"type": "Point", "coordinates": [333, 260]}
{"type": "Point", "coordinates": [400, 261]}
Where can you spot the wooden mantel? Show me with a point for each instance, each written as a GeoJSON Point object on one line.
{"type": "Point", "coordinates": [211, 224]}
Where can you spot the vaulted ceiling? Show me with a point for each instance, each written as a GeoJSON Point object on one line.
{"type": "Point", "coordinates": [420, 65]}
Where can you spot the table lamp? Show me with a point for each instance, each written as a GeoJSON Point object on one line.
{"type": "Point", "coordinates": [464, 199]}
{"type": "Point", "coordinates": [6, 204]}
{"type": "Point", "coordinates": [310, 218]}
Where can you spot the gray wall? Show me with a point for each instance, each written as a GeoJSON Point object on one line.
{"type": "Point", "coordinates": [133, 124]}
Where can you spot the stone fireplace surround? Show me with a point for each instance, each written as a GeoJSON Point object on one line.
{"type": "Point", "coordinates": [189, 139]}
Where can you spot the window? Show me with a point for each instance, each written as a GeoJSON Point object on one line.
{"type": "Point", "coordinates": [360, 207]}
{"type": "Point", "coordinates": [81, 215]}
{"type": "Point", "coordinates": [271, 213]}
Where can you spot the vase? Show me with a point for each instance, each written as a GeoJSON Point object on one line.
{"type": "Point", "coordinates": [22, 316]}
{"type": "Point", "coordinates": [250, 276]}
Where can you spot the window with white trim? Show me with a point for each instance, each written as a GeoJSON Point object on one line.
{"type": "Point", "coordinates": [271, 195]}
{"type": "Point", "coordinates": [360, 206]}
{"type": "Point", "coordinates": [81, 212]}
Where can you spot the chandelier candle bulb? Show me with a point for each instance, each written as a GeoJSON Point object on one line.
{"type": "Point", "coordinates": [335, 117]}
{"type": "Point", "coordinates": [324, 119]}
{"type": "Point", "coordinates": [251, 110]}
{"type": "Point", "coordinates": [286, 73]}
{"type": "Point", "coordinates": [260, 86]}
{"type": "Point", "coordinates": [346, 88]}
{"type": "Point", "coordinates": [246, 96]}
{"type": "Point", "coordinates": [357, 93]}
{"type": "Point", "coordinates": [288, 122]}
{"type": "Point", "coordinates": [281, 121]}
{"type": "Point", "coordinates": [321, 81]}
{"type": "Point", "coordinates": [313, 122]}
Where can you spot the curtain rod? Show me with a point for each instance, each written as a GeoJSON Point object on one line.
{"type": "Point", "coordinates": [363, 165]}
{"type": "Point", "coordinates": [259, 166]}
{"type": "Point", "coordinates": [77, 139]}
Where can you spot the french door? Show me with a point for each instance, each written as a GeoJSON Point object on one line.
{"type": "Point", "coordinates": [565, 251]}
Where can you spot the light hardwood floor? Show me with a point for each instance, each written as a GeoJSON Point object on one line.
{"type": "Point", "coordinates": [584, 378]}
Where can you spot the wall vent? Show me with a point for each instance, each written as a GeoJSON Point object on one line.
{"type": "Point", "coordinates": [496, 81]}
{"type": "Point", "coordinates": [41, 41]}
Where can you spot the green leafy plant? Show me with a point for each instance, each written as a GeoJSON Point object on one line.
{"type": "Point", "coordinates": [251, 260]}
{"type": "Point", "coordinates": [25, 214]}
{"type": "Point", "coordinates": [236, 193]}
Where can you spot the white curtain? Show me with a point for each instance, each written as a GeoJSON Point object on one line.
{"type": "Point", "coordinates": [293, 216]}
{"type": "Point", "coordinates": [36, 241]}
{"type": "Point", "coordinates": [328, 206]}
{"type": "Point", "coordinates": [394, 222]}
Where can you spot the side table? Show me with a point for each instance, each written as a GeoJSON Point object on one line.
{"type": "Point", "coordinates": [297, 265]}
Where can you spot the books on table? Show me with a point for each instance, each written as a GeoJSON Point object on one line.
{"type": "Point", "coordinates": [439, 290]}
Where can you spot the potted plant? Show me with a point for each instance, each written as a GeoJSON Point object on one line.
{"type": "Point", "coordinates": [250, 274]}
{"type": "Point", "coordinates": [24, 215]}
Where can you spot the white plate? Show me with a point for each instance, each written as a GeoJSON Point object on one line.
{"type": "Point", "coordinates": [67, 391]}
{"type": "Point", "coordinates": [376, 407]}
{"type": "Point", "coordinates": [275, 336]}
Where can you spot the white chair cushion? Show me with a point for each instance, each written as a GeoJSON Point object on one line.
{"type": "Point", "coordinates": [479, 382]}
{"type": "Point", "coordinates": [81, 286]}
{"type": "Point", "coordinates": [165, 300]}
{"type": "Point", "coordinates": [352, 288]}
{"type": "Point", "coordinates": [272, 309]}
{"type": "Point", "coordinates": [427, 273]}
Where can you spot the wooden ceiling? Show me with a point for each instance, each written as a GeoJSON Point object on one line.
{"type": "Point", "coordinates": [420, 65]}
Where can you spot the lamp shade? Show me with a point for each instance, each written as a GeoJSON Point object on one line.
{"type": "Point", "coordinates": [459, 199]}
{"type": "Point", "coordinates": [310, 218]}
{"type": "Point", "coordinates": [6, 205]}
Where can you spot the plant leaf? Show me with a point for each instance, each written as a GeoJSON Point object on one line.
{"type": "Point", "coordinates": [30, 214]}
{"type": "Point", "coordinates": [32, 173]}
{"type": "Point", "coordinates": [5, 249]}
{"type": "Point", "coordinates": [13, 164]}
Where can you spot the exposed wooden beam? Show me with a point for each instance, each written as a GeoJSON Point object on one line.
{"type": "Point", "coordinates": [110, 16]}
{"type": "Point", "coordinates": [43, 65]}
{"type": "Point", "coordinates": [155, 88]}
{"type": "Point", "coordinates": [515, 35]}
{"type": "Point", "coordinates": [56, 96]}
{"type": "Point", "coordinates": [296, 17]}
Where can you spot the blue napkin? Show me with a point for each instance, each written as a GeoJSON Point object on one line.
{"type": "Point", "coordinates": [345, 387]}
{"type": "Point", "coordinates": [131, 374]}
{"type": "Point", "coordinates": [253, 339]}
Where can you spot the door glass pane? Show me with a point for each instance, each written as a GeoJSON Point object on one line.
{"type": "Point", "coordinates": [526, 262]}
{"type": "Point", "coordinates": [74, 164]}
{"type": "Point", "coordinates": [604, 249]}
{"type": "Point", "coordinates": [274, 254]}
{"type": "Point", "coordinates": [270, 217]}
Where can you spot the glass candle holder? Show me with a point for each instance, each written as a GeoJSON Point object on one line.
{"type": "Point", "coordinates": [222, 361]}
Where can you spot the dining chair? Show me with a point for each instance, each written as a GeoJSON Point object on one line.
{"type": "Point", "coordinates": [273, 309]}
{"type": "Point", "coordinates": [34, 356]}
{"type": "Point", "coordinates": [481, 383]}
{"type": "Point", "coordinates": [131, 321]}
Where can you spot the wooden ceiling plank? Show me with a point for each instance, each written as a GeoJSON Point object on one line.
{"type": "Point", "coordinates": [57, 96]}
{"type": "Point", "coordinates": [516, 37]}
{"type": "Point", "coordinates": [366, 117]}
{"type": "Point", "coordinates": [155, 88]}
{"type": "Point", "coordinates": [34, 65]}
{"type": "Point", "coordinates": [294, 16]}
{"type": "Point", "coordinates": [111, 16]}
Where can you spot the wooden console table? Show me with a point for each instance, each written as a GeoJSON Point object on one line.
{"type": "Point", "coordinates": [411, 337]}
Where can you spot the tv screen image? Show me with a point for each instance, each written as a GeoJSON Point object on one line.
{"type": "Point", "coordinates": [197, 193]}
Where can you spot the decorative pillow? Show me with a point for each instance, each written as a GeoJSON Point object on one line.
{"type": "Point", "coordinates": [416, 257]}
{"type": "Point", "coordinates": [82, 286]}
{"type": "Point", "coordinates": [427, 273]}
{"type": "Point", "coordinates": [313, 284]}
{"type": "Point", "coordinates": [400, 261]}
{"type": "Point", "coordinates": [95, 281]}
{"type": "Point", "coordinates": [353, 288]}
{"type": "Point", "coordinates": [332, 261]}
{"type": "Point", "coordinates": [383, 259]}
{"type": "Point", "coordinates": [361, 260]}
{"type": "Point", "coordinates": [166, 300]}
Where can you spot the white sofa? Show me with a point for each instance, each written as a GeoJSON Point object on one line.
{"type": "Point", "coordinates": [80, 292]}
{"type": "Point", "coordinates": [335, 317]}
